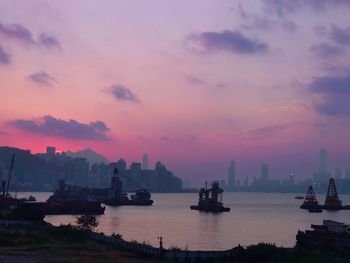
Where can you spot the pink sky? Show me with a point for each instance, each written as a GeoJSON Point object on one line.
{"type": "Point", "coordinates": [192, 83]}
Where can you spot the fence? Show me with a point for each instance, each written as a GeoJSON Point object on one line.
{"type": "Point", "coordinates": [147, 250]}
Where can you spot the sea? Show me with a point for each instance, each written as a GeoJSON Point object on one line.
{"type": "Point", "coordinates": [254, 217]}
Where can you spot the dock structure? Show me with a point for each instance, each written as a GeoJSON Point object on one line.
{"type": "Point", "coordinates": [332, 201]}
{"type": "Point", "coordinates": [310, 201]}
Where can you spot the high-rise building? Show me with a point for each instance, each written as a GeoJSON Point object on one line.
{"type": "Point", "coordinates": [145, 162]}
{"type": "Point", "coordinates": [231, 178]}
{"type": "Point", "coordinates": [338, 173]}
{"type": "Point", "coordinates": [264, 172]}
{"type": "Point", "coordinates": [50, 150]}
{"type": "Point", "coordinates": [323, 161]}
{"type": "Point", "coordinates": [347, 173]}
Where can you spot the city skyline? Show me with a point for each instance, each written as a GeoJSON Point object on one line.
{"type": "Point", "coordinates": [194, 84]}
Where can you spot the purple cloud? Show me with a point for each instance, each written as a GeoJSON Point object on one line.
{"type": "Point", "coordinates": [16, 32]}
{"type": "Point", "coordinates": [22, 34]}
{"type": "Point", "coordinates": [123, 93]}
{"type": "Point", "coordinates": [42, 78]}
{"type": "Point", "coordinates": [334, 93]}
{"type": "Point", "coordinates": [49, 41]}
{"type": "Point", "coordinates": [262, 133]}
{"type": "Point", "coordinates": [339, 35]}
{"type": "Point", "coordinates": [185, 140]}
{"type": "Point", "coordinates": [71, 129]}
{"type": "Point", "coordinates": [283, 7]}
{"type": "Point", "coordinates": [4, 57]}
{"type": "Point", "coordinates": [325, 50]}
{"type": "Point", "coordinates": [231, 41]}
{"type": "Point", "coordinates": [194, 80]}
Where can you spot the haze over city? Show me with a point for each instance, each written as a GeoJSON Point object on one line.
{"type": "Point", "coordinates": [194, 84]}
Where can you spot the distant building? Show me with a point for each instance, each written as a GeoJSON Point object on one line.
{"type": "Point", "coordinates": [322, 176]}
{"type": "Point", "coordinates": [223, 184]}
{"type": "Point", "coordinates": [81, 171]}
{"type": "Point", "coordinates": [338, 173]}
{"type": "Point", "coordinates": [51, 151]}
{"type": "Point", "coordinates": [347, 173]}
{"type": "Point", "coordinates": [264, 172]}
{"type": "Point", "coordinates": [231, 177]}
{"type": "Point", "coordinates": [144, 162]}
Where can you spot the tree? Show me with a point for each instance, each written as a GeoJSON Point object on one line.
{"type": "Point", "coordinates": [87, 222]}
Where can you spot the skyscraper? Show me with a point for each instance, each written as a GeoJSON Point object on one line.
{"type": "Point", "coordinates": [338, 173]}
{"type": "Point", "coordinates": [231, 178]}
{"type": "Point", "coordinates": [264, 172]}
{"type": "Point", "coordinates": [145, 162]}
{"type": "Point", "coordinates": [50, 151]}
{"type": "Point", "coordinates": [323, 160]}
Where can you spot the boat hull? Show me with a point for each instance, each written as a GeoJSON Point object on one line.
{"type": "Point", "coordinates": [217, 209]}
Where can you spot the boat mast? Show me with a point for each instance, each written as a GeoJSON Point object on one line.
{"type": "Point", "coordinates": [10, 173]}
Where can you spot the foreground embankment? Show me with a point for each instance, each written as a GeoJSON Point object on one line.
{"type": "Point", "coordinates": [43, 242]}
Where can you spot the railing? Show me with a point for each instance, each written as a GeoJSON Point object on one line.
{"type": "Point", "coordinates": [147, 250]}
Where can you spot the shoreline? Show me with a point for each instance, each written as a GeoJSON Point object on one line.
{"type": "Point", "coordinates": [42, 242]}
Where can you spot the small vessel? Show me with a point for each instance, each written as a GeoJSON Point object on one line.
{"type": "Point", "coordinates": [12, 208]}
{"type": "Point", "coordinates": [116, 196]}
{"type": "Point", "coordinates": [210, 200]}
{"type": "Point", "coordinates": [315, 210]}
{"type": "Point", "coordinates": [299, 197]}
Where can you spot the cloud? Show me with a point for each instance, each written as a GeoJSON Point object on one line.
{"type": "Point", "coordinates": [325, 50]}
{"type": "Point", "coordinates": [263, 22]}
{"type": "Point", "coordinates": [71, 129]}
{"type": "Point", "coordinates": [282, 8]}
{"type": "Point", "coordinates": [16, 32]}
{"type": "Point", "coordinates": [5, 57]}
{"type": "Point", "coordinates": [194, 80]}
{"type": "Point", "coordinates": [23, 35]}
{"type": "Point", "coordinates": [332, 95]}
{"type": "Point", "coordinates": [262, 133]}
{"type": "Point", "coordinates": [339, 35]}
{"type": "Point", "coordinates": [42, 78]}
{"type": "Point", "coordinates": [123, 93]}
{"type": "Point", "coordinates": [49, 41]}
{"type": "Point", "coordinates": [320, 30]}
{"type": "Point", "coordinates": [231, 41]}
{"type": "Point", "coordinates": [184, 140]}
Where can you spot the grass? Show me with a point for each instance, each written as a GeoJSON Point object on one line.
{"type": "Point", "coordinates": [44, 243]}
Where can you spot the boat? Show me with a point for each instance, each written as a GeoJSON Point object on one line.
{"type": "Point", "coordinates": [310, 203]}
{"type": "Point", "coordinates": [116, 196]}
{"type": "Point", "coordinates": [299, 197]}
{"type": "Point", "coordinates": [14, 209]}
{"type": "Point", "coordinates": [315, 210]}
{"type": "Point", "coordinates": [330, 233]}
{"type": "Point", "coordinates": [210, 200]}
{"type": "Point", "coordinates": [71, 200]}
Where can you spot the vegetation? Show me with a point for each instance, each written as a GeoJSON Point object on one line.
{"type": "Point", "coordinates": [45, 243]}
{"type": "Point", "coordinates": [87, 223]}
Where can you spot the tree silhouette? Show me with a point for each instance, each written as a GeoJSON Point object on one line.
{"type": "Point", "coordinates": [87, 222]}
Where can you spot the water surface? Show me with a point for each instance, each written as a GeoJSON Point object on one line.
{"type": "Point", "coordinates": [254, 218]}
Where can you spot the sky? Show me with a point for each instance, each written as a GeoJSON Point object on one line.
{"type": "Point", "coordinates": [193, 84]}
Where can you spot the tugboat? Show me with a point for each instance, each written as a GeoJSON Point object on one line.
{"type": "Point", "coordinates": [210, 200]}
{"type": "Point", "coordinates": [299, 197]}
{"type": "Point", "coordinates": [15, 209]}
{"type": "Point", "coordinates": [116, 196]}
